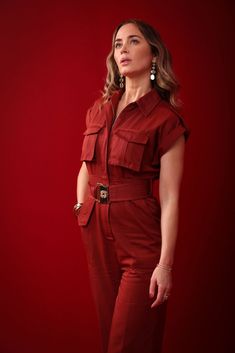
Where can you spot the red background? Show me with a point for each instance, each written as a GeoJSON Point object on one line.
{"type": "Point", "coordinates": [52, 68]}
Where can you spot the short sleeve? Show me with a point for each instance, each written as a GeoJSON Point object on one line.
{"type": "Point", "coordinates": [88, 117]}
{"type": "Point", "coordinates": [92, 112]}
{"type": "Point", "coordinates": [169, 131]}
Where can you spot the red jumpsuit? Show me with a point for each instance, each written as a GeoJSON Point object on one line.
{"type": "Point", "coordinates": [120, 221]}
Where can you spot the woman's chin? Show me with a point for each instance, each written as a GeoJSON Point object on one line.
{"type": "Point", "coordinates": [129, 75]}
{"type": "Point", "coordinates": [126, 72]}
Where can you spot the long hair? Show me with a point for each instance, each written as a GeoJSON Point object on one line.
{"type": "Point", "coordinates": [166, 83]}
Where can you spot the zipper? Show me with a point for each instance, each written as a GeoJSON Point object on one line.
{"type": "Point", "coordinates": [114, 118]}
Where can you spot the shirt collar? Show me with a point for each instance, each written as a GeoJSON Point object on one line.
{"type": "Point", "coordinates": [145, 103]}
{"type": "Point", "coordinates": [149, 101]}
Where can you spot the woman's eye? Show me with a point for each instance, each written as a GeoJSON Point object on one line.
{"type": "Point", "coordinates": [134, 41]}
{"type": "Point", "coordinates": [118, 45]}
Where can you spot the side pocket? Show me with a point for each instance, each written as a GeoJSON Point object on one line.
{"type": "Point", "coordinates": [86, 211]}
{"type": "Point", "coordinates": [89, 142]}
{"type": "Point", "coordinates": [154, 207]}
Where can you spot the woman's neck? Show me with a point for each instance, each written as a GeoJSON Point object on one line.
{"type": "Point", "coordinates": [134, 89]}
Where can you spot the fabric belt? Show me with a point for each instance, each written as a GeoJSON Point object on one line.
{"type": "Point", "coordinates": [121, 191]}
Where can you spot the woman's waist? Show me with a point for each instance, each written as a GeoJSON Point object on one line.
{"type": "Point", "coordinates": [105, 190]}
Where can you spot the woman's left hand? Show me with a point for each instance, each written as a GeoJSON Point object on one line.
{"type": "Point", "coordinates": [163, 279]}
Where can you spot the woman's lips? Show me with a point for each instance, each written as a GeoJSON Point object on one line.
{"type": "Point", "coordinates": [125, 62]}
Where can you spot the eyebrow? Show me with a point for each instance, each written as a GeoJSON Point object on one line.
{"type": "Point", "coordinates": [131, 36]}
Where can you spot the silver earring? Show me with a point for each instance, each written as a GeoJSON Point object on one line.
{"type": "Point", "coordinates": [153, 72]}
{"type": "Point", "coordinates": [121, 81]}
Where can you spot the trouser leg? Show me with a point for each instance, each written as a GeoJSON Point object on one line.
{"type": "Point", "coordinates": [136, 327]}
{"type": "Point", "coordinates": [104, 269]}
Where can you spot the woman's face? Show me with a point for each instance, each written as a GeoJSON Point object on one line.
{"type": "Point", "coordinates": [132, 52]}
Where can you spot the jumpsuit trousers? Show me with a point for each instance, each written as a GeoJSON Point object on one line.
{"type": "Point", "coordinates": [120, 219]}
{"type": "Point", "coordinates": [122, 251]}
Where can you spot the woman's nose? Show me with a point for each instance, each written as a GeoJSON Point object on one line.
{"type": "Point", "coordinates": [124, 48]}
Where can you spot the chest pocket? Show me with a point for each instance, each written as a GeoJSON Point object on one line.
{"type": "Point", "coordinates": [89, 142]}
{"type": "Point", "coordinates": [127, 148]}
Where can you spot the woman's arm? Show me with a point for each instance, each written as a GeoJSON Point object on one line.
{"type": "Point", "coordinates": [82, 183]}
{"type": "Point", "coordinates": [171, 172]}
{"type": "Point", "coordinates": [169, 191]}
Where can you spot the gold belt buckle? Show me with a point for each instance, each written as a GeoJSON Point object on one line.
{"type": "Point", "coordinates": [102, 194]}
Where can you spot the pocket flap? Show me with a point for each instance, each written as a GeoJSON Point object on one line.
{"type": "Point", "coordinates": [86, 211]}
{"type": "Point", "coordinates": [133, 136]}
{"type": "Point", "coordinates": [94, 129]}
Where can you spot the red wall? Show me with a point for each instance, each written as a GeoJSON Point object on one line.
{"type": "Point", "coordinates": [52, 68]}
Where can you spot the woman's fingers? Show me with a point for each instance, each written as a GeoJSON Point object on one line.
{"type": "Point", "coordinates": [152, 287]}
{"type": "Point", "coordinates": [160, 296]}
{"type": "Point", "coordinates": [161, 282]}
{"type": "Point", "coordinates": [160, 292]}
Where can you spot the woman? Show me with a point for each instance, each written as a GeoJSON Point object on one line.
{"type": "Point", "coordinates": [134, 136]}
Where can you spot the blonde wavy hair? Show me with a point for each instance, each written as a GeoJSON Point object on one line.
{"type": "Point", "coordinates": [166, 83]}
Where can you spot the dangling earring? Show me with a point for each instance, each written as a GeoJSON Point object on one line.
{"type": "Point", "coordinates": [153, 72]}
{"type": "Point", "coordinates": [121, 81]}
